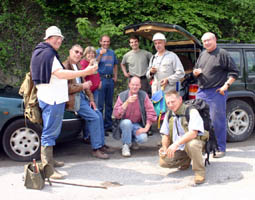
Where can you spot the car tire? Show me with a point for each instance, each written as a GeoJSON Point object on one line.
{"type": "Point", "coordinates": [240, 120]}
{"type": "Point", "coordinates": [21, 142]}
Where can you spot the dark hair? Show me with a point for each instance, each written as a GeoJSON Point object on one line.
{"type": "Point", "coordinates": [134, 37]}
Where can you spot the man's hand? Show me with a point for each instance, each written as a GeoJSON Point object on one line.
{"type": "Point", "coordinates": [132, 98]}
{"type": "Point", "coordinates": [162, 152]}
{"type": "Point", "coordinates": [197, 72]}
{"type": "Point", "coordinates": [222, 89]}
{"type": "Point", "coordinates": [127, 74]}
{"type": "Point", "coordinates": [114, 79]}
{"type": "Point", "coordinates": [103, 51]}
{"type": "Point", "coordinates": [93, 105]}
{"type": "Point", "coordinates": [141, 130]}
{"type": "Point", "coordinates": [171, 150]}
{"type": "Point", "coordinates": [86, 85]}
{"type": "Point", "coordinates": [153, 70]}
{"type": "Point", "coordinates": [91, 69]}
{"type": "Point", "coordinates": [163, 83]}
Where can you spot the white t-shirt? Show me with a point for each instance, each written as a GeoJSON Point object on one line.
{"type": "Point", "coordinates": [56, 90]}
{"type": "Point", "coordinates": [78, 79]}
{"type": "Point", "coordinates": [195, 123]}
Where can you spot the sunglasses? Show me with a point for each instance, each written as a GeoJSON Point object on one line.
{"type": "Point", "coordinates": [78, 52]}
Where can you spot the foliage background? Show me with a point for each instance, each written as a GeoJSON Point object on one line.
{"type": "Point", "coordinates": [23, 22]}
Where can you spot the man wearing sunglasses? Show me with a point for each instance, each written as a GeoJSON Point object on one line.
{"type": "Point", "coordinates": [84, 105]}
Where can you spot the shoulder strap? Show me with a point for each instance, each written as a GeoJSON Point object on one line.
{"type": "Point", "coordinates": [170, 120]}
{"type": "Point", "coordinates": [141, 97]}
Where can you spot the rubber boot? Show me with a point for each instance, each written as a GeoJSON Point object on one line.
{"type": "Point", "coordinates": [47, 158]}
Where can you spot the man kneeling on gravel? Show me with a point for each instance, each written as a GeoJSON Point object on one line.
{"type": "Point", "coordinates": [181, 141]}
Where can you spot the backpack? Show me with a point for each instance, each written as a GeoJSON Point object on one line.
{"type": "Point", "coordinates": [202, 107]}
{"type": "Point", "coordinates": [32, 111]}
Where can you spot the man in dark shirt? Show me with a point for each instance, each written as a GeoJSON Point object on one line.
{"type": "Point", "coordinates": [215, 71]}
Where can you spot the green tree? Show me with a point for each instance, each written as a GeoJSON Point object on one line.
{"type": "Point", "coordinates": [83, 21]}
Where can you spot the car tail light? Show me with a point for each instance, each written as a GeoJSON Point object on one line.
{"type": "Point", "coordinates": [193, 88]}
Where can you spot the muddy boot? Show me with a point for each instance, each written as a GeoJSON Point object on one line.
{"type": "Point", "coordinates": [47, 158]}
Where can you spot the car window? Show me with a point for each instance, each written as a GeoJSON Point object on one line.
{"type": "Point", "coordinates": [236, 55]}
{"type": "Point", "coordinates": [250, 58]}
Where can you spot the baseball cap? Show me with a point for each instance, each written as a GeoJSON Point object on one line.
{"type": "Point", "coordinates": [52, 31]}
{"type": "Point", "coordinates": [158, 36]}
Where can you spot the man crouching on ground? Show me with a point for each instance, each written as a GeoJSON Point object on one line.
{"type": "Point", "coordinates": [181, 141]}
{"type": "Point", "coordinates": [137, 114]}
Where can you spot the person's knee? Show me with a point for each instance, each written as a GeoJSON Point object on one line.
{"type": "Point", "coordinates": [142, 138]}
{"type": "Point", "coordinates": [125, 123]}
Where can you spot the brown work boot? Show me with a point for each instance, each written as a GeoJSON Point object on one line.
{"type": "Point", "coordinates": [199, 179]}
{"type": "Point", "coordinates": [106, 149]}
{"type": "Point", "coordinates": [100, 154]}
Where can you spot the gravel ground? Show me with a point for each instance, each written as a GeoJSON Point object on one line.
{"type": "Point", "coordinates": [138, 177]}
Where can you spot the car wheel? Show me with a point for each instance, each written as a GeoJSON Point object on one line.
{"type": "Point", "coordinates": [22, 143]}
{"type": "Point", "coordinates": [240, 121]}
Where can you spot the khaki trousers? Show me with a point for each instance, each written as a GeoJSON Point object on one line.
{"type": "Point", "coordinates": [192, 152]}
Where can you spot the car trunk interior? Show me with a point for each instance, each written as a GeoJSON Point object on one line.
{"type": "Point", "coordinates": [180, 41]}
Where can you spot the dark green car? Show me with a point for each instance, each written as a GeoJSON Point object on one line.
{"type": "Point", "coordinates": [21, 140]}
{"type": "Point", "coordinates": [241, 95]}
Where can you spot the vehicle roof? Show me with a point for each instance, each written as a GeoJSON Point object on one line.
{"type": "Point", "coordinates": [236, 45]}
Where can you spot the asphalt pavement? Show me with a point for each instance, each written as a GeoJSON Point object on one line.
{"type": "Point", "coordinates": [138, 177]}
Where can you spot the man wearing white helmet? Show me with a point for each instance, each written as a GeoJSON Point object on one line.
{"type": "Point", "coordinates": [165, 67]}
{"type": "Point", "coordinates": [50, 78]}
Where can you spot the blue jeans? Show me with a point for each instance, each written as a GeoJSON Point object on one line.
{"type": "Point", "coordinates": [105, 101]}
{"type": "Point", "coordinates": [94, 121]}
{"type": "Point", "coordinates": [86, 129]}
{"type": "Point", "coordinates": [128, 130]}
{"type": "Point", "coordinates": [52, 116]}
{"type": "Point", "coordinates": [217, 104]}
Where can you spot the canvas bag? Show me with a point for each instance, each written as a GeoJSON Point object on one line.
{"type": "Point", "coordinates": [36, 180]}
{"type": "Point", "coordinates": [29, 93]}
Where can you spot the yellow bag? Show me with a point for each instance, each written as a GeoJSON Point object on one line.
{"type": "Point", "coordinates": [29, 93]}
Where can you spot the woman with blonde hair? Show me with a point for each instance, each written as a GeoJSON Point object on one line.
{"type": "Point", "coordinates": [89, 59]}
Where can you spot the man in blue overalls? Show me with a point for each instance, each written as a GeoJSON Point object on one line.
{"type": "Point", "coordinates": [107, 68]}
